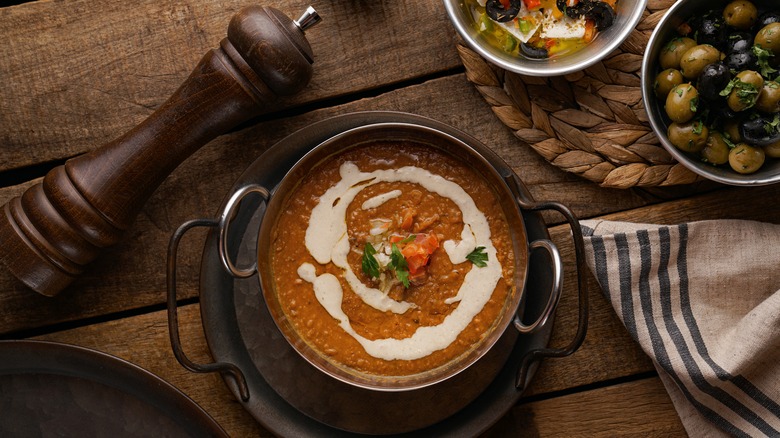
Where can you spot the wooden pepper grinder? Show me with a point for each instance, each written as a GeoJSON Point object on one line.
{"type": "Point", "coordinates": [50, 233]}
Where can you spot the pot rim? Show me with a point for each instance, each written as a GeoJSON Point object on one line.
{"type": "Point", "coordinates": [445, 143]}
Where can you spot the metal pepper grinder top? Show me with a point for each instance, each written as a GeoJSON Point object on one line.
{"type": "Point", "coordinates": [53, 230]}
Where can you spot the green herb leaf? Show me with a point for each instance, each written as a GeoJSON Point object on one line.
{"type": "Point", "coordinates": [746, 92]}
{"type": "Point", "coordinates": [369, 263]}
{"type": "Point", "coordinates": [763, 56]}
{"type": "Point", "coordinates": [478, 257]}
{"type": "Point", "coordinates": [698, 127]}
{"type": "Point", "coordinates": [399, 265]}
{"type": "Point", "coordinates": [727, 140]}
{"type": "Point", "coordinates": [408, 238]}
{"type": "Point", "coordinates": [726, 91]}
{"type": "Point", "coordinates": [694, 104]}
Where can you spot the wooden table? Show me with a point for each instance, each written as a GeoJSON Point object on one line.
{"type": "Point", "coordinates": [76, 74]}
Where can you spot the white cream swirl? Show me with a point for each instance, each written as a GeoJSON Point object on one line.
{"type": "Point", "coordinates": [327, 241]}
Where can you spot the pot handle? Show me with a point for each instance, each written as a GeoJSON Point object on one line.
{"type": "Point", "coordinates": [224, 221]}
{"type": "Point", "coordinates": [555, 294]}
{"type": "Point", "coordinates": [173, 320]}
{"type": "Point", "coordinates": [534, 356]}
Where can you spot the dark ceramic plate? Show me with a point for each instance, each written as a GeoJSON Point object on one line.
{"type": "Point", "coordinates": [239, 329]}
{"type": "Point", "coordinates": [51, 389]}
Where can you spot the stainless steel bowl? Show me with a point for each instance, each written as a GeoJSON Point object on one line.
{"type": "Point", "coordinates": [664, 31]}
{"type": "Point", "coordinates": [629, 12]}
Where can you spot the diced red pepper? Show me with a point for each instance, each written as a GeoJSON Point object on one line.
{"type": "Point", "coordinates": [532, 4]}
{"type": "Point", "coordinates": [418, 252]}
{"type": "Point", "coordinates": [505, 3]}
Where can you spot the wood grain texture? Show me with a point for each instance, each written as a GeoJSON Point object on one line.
{"type": "Point", "coordinates": [54, 230]}
{"type": "Point", "coordinates": [640, 408]}
{"type": "Point", "coordinates": [78, 74]}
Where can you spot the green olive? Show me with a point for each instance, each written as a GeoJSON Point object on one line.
{"type": "Point", "coordinates": [665, 81]}
{"type": "Point", "coordinates": [745, 158]}
{"type": "Point", "coordinates": [696, 58]}
{"type": "Point", "coordinates": [769, 97]}
{"type": "Point", "coordinates": [731, 130]}
{"type": "Point", "coordinates": [772, 150]}
{"type": "Point", "coordinates": [689, 136]}
{"type": "Point", "coordinates": [681, 103]}
{"type": "Point", "coordinates": [673, 51]}
{"type": "Point", "coordinates": [740, 14]}
{"type": "Point", "coordinates": [768, 37]}
{"type": "Point", "coordinates": [716, 150]}
{"type": "Point", "coordinates": [744, 94]}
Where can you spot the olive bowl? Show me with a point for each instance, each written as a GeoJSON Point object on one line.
{"type": "Point", "coordinates": [628, 15]}
{"type": "Point", "coordinates": [666, 29]}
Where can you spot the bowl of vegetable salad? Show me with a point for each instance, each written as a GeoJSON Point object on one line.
{"type": "Point", "coordinates": [544, 37]}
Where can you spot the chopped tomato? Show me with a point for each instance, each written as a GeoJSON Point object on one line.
{"type": "Point", "coordinates": [550, 43]}
{"type": "Point", "coordinates": [532, 4]}
{"type": "Point", "coordinates": [418, 252]}
{"type": "Point", "coordinates": [407, 218]}
{"type": "Point", "coordinates": [505, 3]}
{"type": "Point", "coordinates": [590, 31]}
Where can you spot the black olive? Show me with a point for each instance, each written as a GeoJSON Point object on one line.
{"type": "Point", "coordinates": [601, 13]}
{"type": "Point", "coordinates": [759, 131]}
{"type": "Point", "coordinates": [712, 80]}
{"type": "Point", "coordinates": [495, 10]}
{"type": "Point", "coordinates": [713, 31]}
{"type": "Point", "coordinates": [767, 18]}
{"type": "Point", "coordinates": [738, 61]}
{"type": "Point", "coordinates": [718, 113]}
{"type": "Point", "coordinates": [533, 52]}
{"type": "Point", "coordinates": [738, 42]}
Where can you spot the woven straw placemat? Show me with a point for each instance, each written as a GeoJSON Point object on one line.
{"type": "Point", "coordinates": [592, 123]}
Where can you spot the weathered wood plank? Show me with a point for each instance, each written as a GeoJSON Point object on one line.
{"type": "Point", "coordinates": [640, 408]}
{"type": "Point", "coordinates": [76, 74]}
{"type": "Point", "coordinates": [131, 274]}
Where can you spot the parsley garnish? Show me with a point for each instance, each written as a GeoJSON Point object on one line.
{"type": "Point", "coordinates": [478, 257]}
{"type": "Point", "coordinates": [727, 140]}
{"type": "Point", "coordinates": [746, 92]}
{"type": "Point", "coordinates": [771, 127]}
{"type": "Point", "coordinates": [399, 265]}
{"type": "Point", "coordinates": [763, 56]}
{"type": "Point", "coordinates": [698, 127]}
{"type": "Point", "coordinates": [370, 264]}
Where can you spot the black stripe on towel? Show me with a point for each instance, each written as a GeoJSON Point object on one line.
{"type": "Point", "coordinates": [624, 274]}
{"type": "Point", "coordinates": [687, 312]}
{"type": "Point", "coordinates": [659, 350]}
{"type": "Point", "coordinates": [600, 259]}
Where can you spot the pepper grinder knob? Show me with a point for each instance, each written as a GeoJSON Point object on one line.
{"type": "Point", "coordinates": [53, 230]}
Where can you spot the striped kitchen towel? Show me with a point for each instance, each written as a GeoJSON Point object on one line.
{"type": "Point", "coordinates": [703, 301]}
